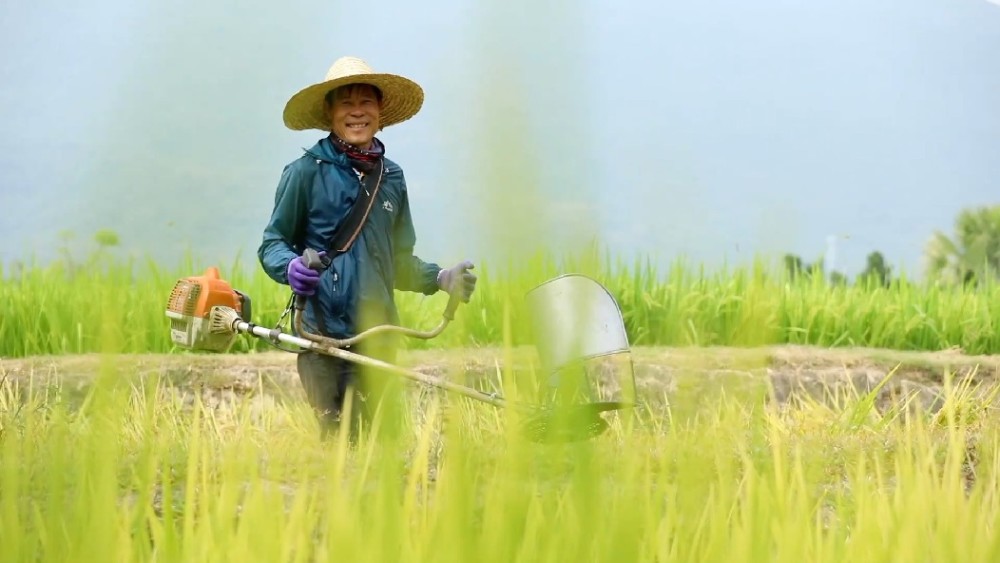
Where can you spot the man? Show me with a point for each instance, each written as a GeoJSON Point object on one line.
{"type": "Point", "coordinates": [314, 197]}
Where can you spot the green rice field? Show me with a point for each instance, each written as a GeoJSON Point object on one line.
{"type": "Point", "coordinates": [777, 420]}
{"type": "Point", "coordinates": [61, 309]}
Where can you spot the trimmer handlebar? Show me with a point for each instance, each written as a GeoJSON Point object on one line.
{"type": "Point", "coordinates": [314, 261]}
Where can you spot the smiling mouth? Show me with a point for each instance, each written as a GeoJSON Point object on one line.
{"type": "Point", "coordinates": [357, 126]}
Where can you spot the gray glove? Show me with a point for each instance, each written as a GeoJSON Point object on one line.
{"type": "Point", "coordinates": [459, 279]}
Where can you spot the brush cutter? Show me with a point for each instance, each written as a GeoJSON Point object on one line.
{"type": "Point", "coordinates": [207, 314]}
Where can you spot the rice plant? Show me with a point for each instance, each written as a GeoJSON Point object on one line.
{"type": "Point", "coordinates": [136, 469]}
{"type": "Point", "coordinates": [54, 309]}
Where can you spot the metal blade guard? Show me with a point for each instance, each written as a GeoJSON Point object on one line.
{"type": "Point", "coordinates": [574, 321]}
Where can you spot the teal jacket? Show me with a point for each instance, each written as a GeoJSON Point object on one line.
{"type": "Point", "coordinates": [314, 195]}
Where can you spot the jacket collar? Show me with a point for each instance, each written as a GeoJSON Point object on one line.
{"type": "Point", "coordinates": [323, 150]}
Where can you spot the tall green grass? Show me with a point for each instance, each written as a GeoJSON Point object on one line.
{"type": "Point", "coordinates": [58, 310]}
{"type": "Point", "coordinates": [137, 473]}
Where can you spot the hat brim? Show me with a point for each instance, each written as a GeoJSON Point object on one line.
{"type": "Point", "coordinates": [402, 98]}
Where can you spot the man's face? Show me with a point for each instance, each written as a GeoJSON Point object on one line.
{"type": "Point", "coordinates": [354, 114]}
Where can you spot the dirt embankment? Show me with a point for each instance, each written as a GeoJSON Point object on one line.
{"type": "Point", "coordinates": [659, 372]}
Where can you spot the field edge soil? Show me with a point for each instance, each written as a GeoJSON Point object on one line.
{"type": "Point", "coordinates": [654, 367]}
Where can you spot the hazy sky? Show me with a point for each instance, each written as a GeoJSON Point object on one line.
{"type": "Point", "coordinates": [711, 128]}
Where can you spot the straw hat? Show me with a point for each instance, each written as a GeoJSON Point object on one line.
{"type": "Point", "coordinates": [401, 97]}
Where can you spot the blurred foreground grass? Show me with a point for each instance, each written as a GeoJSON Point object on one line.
{"type": "Point", "coordinates": [136, 469]}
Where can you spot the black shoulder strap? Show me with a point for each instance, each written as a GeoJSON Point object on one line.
{"type": "Point", "coordinates": [348, 231]}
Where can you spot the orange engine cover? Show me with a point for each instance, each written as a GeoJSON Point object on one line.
{"type": "Point", "coordinates": [190, 305]}
{"type": "Point", "coordinates": [195, 296]}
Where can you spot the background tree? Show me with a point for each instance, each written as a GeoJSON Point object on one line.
{"type": "Point", "coordinates": [973, 255]}
{"type": "Point", "coordinates": [795, 266]}
{"type": "Point", "coordinates": [877, 271]}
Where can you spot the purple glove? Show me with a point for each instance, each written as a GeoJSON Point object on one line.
{"type": "Point", "coordinates": [458, 278]}
{"type": "Point", "coordinates": [302, 279]}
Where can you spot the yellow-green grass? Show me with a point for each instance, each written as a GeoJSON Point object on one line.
{"type": "Point", "coordinates": [138, 470]}
{"type": "Point", "coordinates": [56, 310]}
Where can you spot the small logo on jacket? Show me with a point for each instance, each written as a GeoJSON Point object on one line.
{"type": "Point", "coordinates": [387, 205]}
